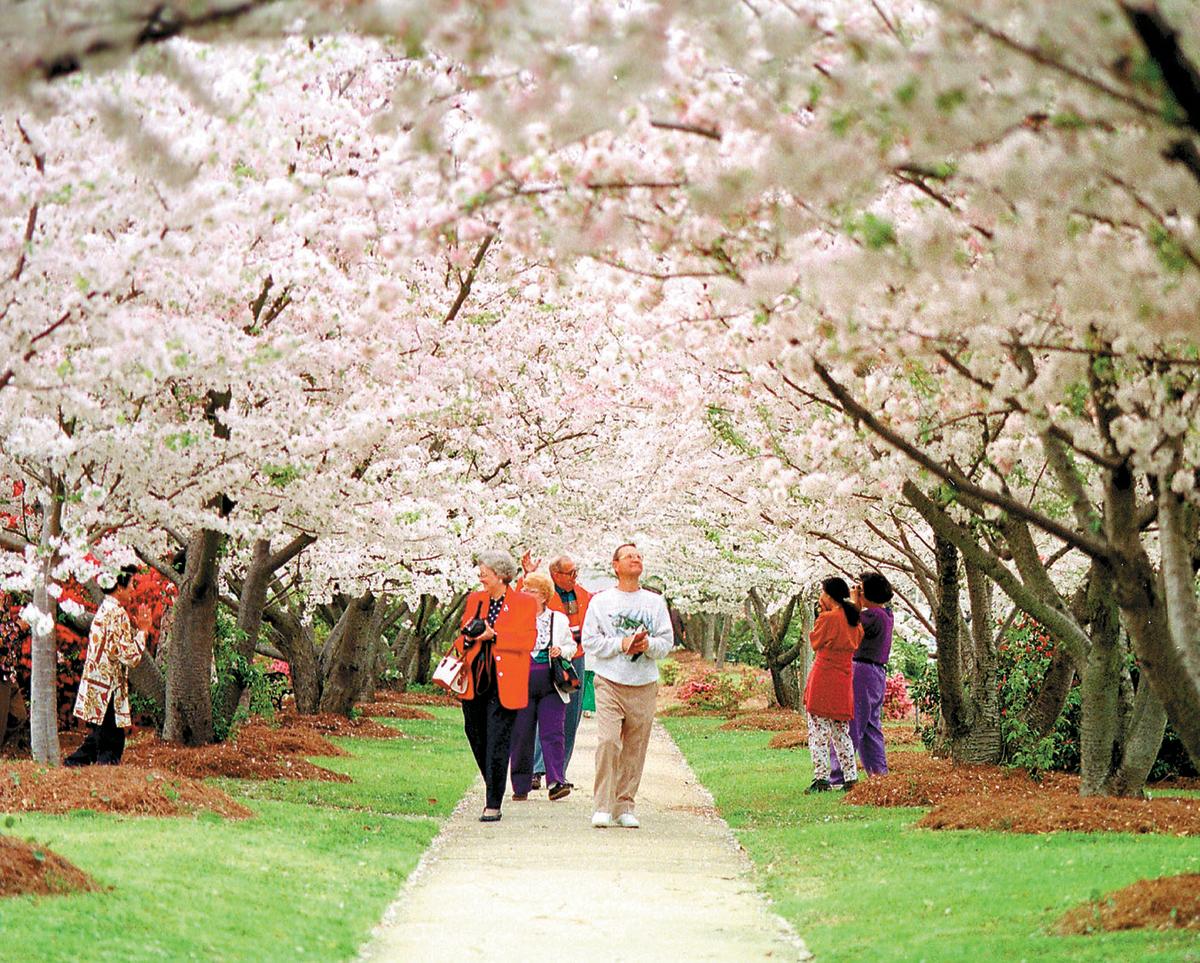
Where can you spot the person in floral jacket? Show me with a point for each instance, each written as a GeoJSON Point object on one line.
{"type": "Point", "coordinates": [103, 699]}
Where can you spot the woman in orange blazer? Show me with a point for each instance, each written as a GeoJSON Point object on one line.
{"type": "Point", "coordinates": [498, 670]}
{"type": "Point", "coordinates": [829, 695]}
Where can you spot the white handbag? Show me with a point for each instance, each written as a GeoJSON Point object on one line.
{"type": "Point", "coordinates": [451, 674]}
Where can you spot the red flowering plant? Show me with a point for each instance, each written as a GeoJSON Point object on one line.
{"type": "Point", "coordinates": [147, 590]}
{"type": "Point", "coordinates": [897, 704]}
{"type": "Point", "coordinates": [1024, 656]}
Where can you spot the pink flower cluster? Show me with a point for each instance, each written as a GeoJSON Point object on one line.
{"type": "Point", "coordinates": [896, 702]}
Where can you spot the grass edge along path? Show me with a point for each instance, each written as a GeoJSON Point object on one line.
{"type": "Point", "coordinates": [862, 883]}
{"type": "Point", "coordinates": [306, 878]}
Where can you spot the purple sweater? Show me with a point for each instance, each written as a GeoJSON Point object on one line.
{"type": "Point", "coordinates": [876, 644]}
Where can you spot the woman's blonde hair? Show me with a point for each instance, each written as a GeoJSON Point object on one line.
{"type": "Point", "coordinates": [540, 583]}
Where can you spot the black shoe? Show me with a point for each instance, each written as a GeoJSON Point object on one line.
{"type": "Point", "coordinates": [490, 818]}
{"type": "Point", "coordinates": [850, 784]}
{"type": "Point", "coordinates": [559, 790]}
{"type": "Point", "coordinates": [818, 785]}
{"type": "Point", "coordinates": [537, 781]}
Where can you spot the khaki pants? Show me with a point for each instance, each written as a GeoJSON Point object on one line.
{"type": "Point", "coordinates": [624, 718]}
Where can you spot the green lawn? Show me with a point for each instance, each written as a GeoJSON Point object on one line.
{"type": "Point", "coordinates": [860, 883]}
{"type": "Point", "coordinates": [306, 878]}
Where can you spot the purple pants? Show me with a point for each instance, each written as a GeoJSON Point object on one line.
{"type": "Point", "coordinates": [866, 728]}
{"type": "Point", "coordinates": [544, 715]}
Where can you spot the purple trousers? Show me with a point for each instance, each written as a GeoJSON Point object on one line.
{"type": "Point", "coordinates": [543, 715]}
{"type": "Point", "coordinates": [866, 728]}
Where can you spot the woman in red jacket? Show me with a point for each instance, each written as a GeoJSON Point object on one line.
{"type": "Point", "coordinates": [497, 656]}
{"type": "Point", "coordinates": [829, 695]}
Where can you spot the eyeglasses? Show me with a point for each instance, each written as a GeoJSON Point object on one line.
{"type": "Point", "coordinates": [568, 572]}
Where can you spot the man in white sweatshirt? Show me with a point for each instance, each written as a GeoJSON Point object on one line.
{"type": "Point", "coordinates": [626, 631]}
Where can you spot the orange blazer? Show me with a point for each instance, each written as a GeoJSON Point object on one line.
{"type": "Point", "coordinates": [516, 633]}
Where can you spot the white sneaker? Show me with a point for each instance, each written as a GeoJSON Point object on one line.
{"type": "Point", "coordinates": [628, 821]}
{"type": "Point", "coordinates": [602, 820]}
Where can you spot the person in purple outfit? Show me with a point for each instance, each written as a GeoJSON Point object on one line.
{"type": "Point", "coordinates": [871, 595]}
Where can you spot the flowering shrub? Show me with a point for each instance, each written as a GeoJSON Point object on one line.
{"type": "Point", "coordinates": [720, 691]}
{"type": "Point", "coordinates": [896, 701]}
{"type": "Point", "coordinates": [1024, 657]}
{"type": "Point", "coordinates": [147, 590]}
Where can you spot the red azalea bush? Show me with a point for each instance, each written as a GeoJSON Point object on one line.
{"type": "Point", "coordinates": [147, 590]}
{"type": "Point", "coordinates": [897, 704]}
{"type": "Point", "coordinates": [720, 691]}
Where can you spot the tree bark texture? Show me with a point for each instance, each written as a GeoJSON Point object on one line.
{"type": "Point", "coordinates": [188, 719]}
{"type": "Point", "coordinates": [43, 686]}
{"type": "Point", "coordinates": [344, 656]}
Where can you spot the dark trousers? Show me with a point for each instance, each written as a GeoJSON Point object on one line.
{"type": "Point", "coordinates": [489, 731]}
{"type": "Point", "coordinates": [104, 745]}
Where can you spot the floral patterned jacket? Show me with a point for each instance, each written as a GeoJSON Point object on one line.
{"type": "Point", "coordinates": [112, 649]}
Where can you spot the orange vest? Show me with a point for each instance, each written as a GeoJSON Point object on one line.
{"type": "Point", "coordinates": [516, 633]}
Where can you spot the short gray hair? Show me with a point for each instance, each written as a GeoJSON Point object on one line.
{"type": "Point", "coordinates": [499, 562]}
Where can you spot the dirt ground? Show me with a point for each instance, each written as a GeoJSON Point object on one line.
{"type": "Point", "coordinates": [129, 790]}
{"type": "Point", "coordinates": [1168, 903]}
{"type": "Point", "coordinates": [27, 869]}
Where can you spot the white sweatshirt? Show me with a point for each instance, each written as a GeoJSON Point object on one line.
{"type": "Point", "coordinates": [613, 614]}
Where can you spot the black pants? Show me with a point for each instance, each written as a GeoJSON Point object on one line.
{"type": "Point", "coordinates": [104, 745]}
{"type": "Point", "coordinates": [489, 729]}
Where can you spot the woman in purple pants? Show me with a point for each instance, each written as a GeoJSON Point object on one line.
{"type": "Point", "coordinates": [547, 709]}
{"type": "Point", "coordinates": [870, 676]}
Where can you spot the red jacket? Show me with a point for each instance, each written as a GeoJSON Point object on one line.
{"type": "Point", "coordinates": [830, 689]}
{"type": "Point", "coordinates": [516, 633]}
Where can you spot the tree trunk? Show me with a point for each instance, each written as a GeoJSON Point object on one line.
{"type": "Point", "coordinates": [43, 686]}
{"type": "Point", "coordinates": [343, 659]}
{"type": "Point", "coordinates": [189, 717]}
{"type": "Point", "coordinates": [724, 624]}
{"type": "Point", "coordinates": [772, 632]}
{"type": "Point", "coordinates": [295, 640]}
{"type": "Point", "coordinates": [1041, 715]}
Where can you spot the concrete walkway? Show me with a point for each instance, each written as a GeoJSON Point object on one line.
{"type": "Point", "coordinates": [543, 884]}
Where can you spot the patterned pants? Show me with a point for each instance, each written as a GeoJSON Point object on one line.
{"type": "Point", "coordinates": [824, 732]}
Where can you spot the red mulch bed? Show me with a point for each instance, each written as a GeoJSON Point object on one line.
{"type": "Point", "coordinates": [1055, 813]}
{"type": "Point", "coordinates": [393, 710]}
{"type": "Point", "coordinates": [29, 787]}
{"type": "Point", "coordinates": [792, 739]}
{"type": "Point", "coordinates": [1008, 800]}
{"type": "Point", "coordinates": [766, 720]}
{"type": "Point", "coordinates": [1177, 782]}
{"type": "Point", "coordinates": [901, 736]}
{"type": "Point", "coordinates": [416, 698]}
{"type": "Point", "coordinates": [332, 724]}
{"type": "Point", "coordinates": [918, 779]}
{"type": "Point", "coordinates": [249, 761]}
{"type": "Point", "coordinates": [27, 869]}
{"type": "Point", "coordinates": [1168, 903]}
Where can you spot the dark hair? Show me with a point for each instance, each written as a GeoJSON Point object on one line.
{"type": "Point", "coordinates": [125, 575]}
{"type": "Point", "coordinates": [876, 588]}
{"type": "Point", "coordinates": [839, 591]}
{"type": "Point", "coordinates": [617, 553]}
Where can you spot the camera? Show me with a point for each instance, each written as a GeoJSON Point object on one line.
{"type": "Point", "coordinates": [474, 629]}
